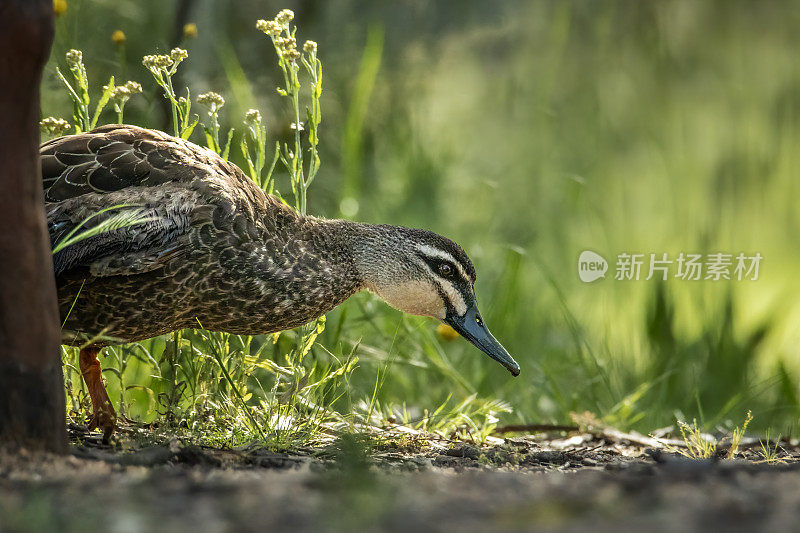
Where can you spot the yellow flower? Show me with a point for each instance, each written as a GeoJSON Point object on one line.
{"type": "Point", "coordinates": [284, 17]}
{"type": "Point", "coordinates": [59, 6]}
{"type": "Point", "coordinates": [446, 333]}
{"type": "Point", "coordinates": [252, 117]}
{"type": "Point", "coordinates": [270, 27]}
{"type": "Point", "coordinates": [74, 58]}
{"type": "Point", "coordinates": [178, 54]}
{"type": "Point", "coordinates": [190, 30]}
{"type": "Point", "coordinates": [54, 126]}
{"type": "Point", "coordinates": [155, 62]}
{"type": "Point", "coordinates": [134, 87]}
{"type": "Point", "coordinates": [122, 93]}
{"type": "Point", "coordinates": [118, 37]}
{"type": "Point", "coordinates": [310, 47]}
{"type": "Point", "coordinates": [213, 101]}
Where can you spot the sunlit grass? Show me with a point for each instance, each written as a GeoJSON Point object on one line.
{"type": "Point", "coordinates": [529, 134]}
{"type": "Point", "coordinates": [698, 445]}
{"type": "Point", "coordinates": [767, 451]}
{"type": "Point", "coordinates": [233, 388]}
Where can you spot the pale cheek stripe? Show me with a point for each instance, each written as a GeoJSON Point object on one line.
{"type": "Point", "coordinates": [456, 300]}
{"type": "Point", "coordinates": [455, 297]}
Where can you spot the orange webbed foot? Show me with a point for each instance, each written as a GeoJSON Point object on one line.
{"type": "Point", "coordinates": [104, 419]}
{"type": "Point", "coordinates": [103, 415]}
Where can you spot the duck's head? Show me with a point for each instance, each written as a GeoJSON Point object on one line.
{"type": "Point", "coordinates": [422, 273]}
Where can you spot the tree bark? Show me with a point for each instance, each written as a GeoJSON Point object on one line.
{"type": "Point", "coordinates": [32, 413]}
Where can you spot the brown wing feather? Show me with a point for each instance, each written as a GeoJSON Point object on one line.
{"type": "Point", "coordinates": [176, 184]}
{"type": "Point", "coordinates": [114, 157]}
{"type": "Point", "coordinates": [107, 159]}
{"type": "Point", "coordinates": [112, 165]}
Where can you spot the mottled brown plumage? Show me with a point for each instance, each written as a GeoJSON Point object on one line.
{"type": "Point", "coordinates": [217, 251]}
{"type": "Point", "coordinates": [213, 249]}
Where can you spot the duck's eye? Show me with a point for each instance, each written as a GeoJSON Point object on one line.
{"type": "Point", "coordinates": [446, 270]}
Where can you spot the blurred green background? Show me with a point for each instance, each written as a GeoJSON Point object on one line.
{"type": "Point", "coordinates": [529, 132]}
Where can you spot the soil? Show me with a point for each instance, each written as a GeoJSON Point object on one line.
{"type": "Point", "coordinates": [598, 481]}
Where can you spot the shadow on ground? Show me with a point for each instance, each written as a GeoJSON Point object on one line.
{"type": "Point", "coordinates": [569, 483]}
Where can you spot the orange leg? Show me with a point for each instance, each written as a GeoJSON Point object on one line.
{"type": "Point", "coordinates": [103, 414]}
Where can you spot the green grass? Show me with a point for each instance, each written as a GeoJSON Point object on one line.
{"type": "Point", "coordinates": [527, 132]}
{"type": "Point", "coordinates": [767, 451]}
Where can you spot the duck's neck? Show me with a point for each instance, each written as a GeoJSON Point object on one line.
{"type": "Point", "coordinates": [311, 268]}
{"type": "Point", "coordinates": [365, 249]}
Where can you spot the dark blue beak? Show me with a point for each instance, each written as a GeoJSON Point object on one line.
{"type": "Point", "coordinates": [471, 327]}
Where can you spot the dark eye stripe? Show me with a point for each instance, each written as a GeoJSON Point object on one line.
{"type": "Point", "coordinates": [462, 285]}
{"type": "Point", "coordinates": [451, 310]}
{"type": "Point", "coordinates": [434, 262]}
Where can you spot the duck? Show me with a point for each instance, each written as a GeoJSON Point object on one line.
{"type": "Point", "coordinates": [209, 246]}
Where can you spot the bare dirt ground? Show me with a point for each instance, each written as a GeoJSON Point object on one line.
{"type": "Point", "coordinates": [604, 481]}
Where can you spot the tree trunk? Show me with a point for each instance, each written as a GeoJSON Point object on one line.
{"type": "Point", "coordinates": [31, 383]}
